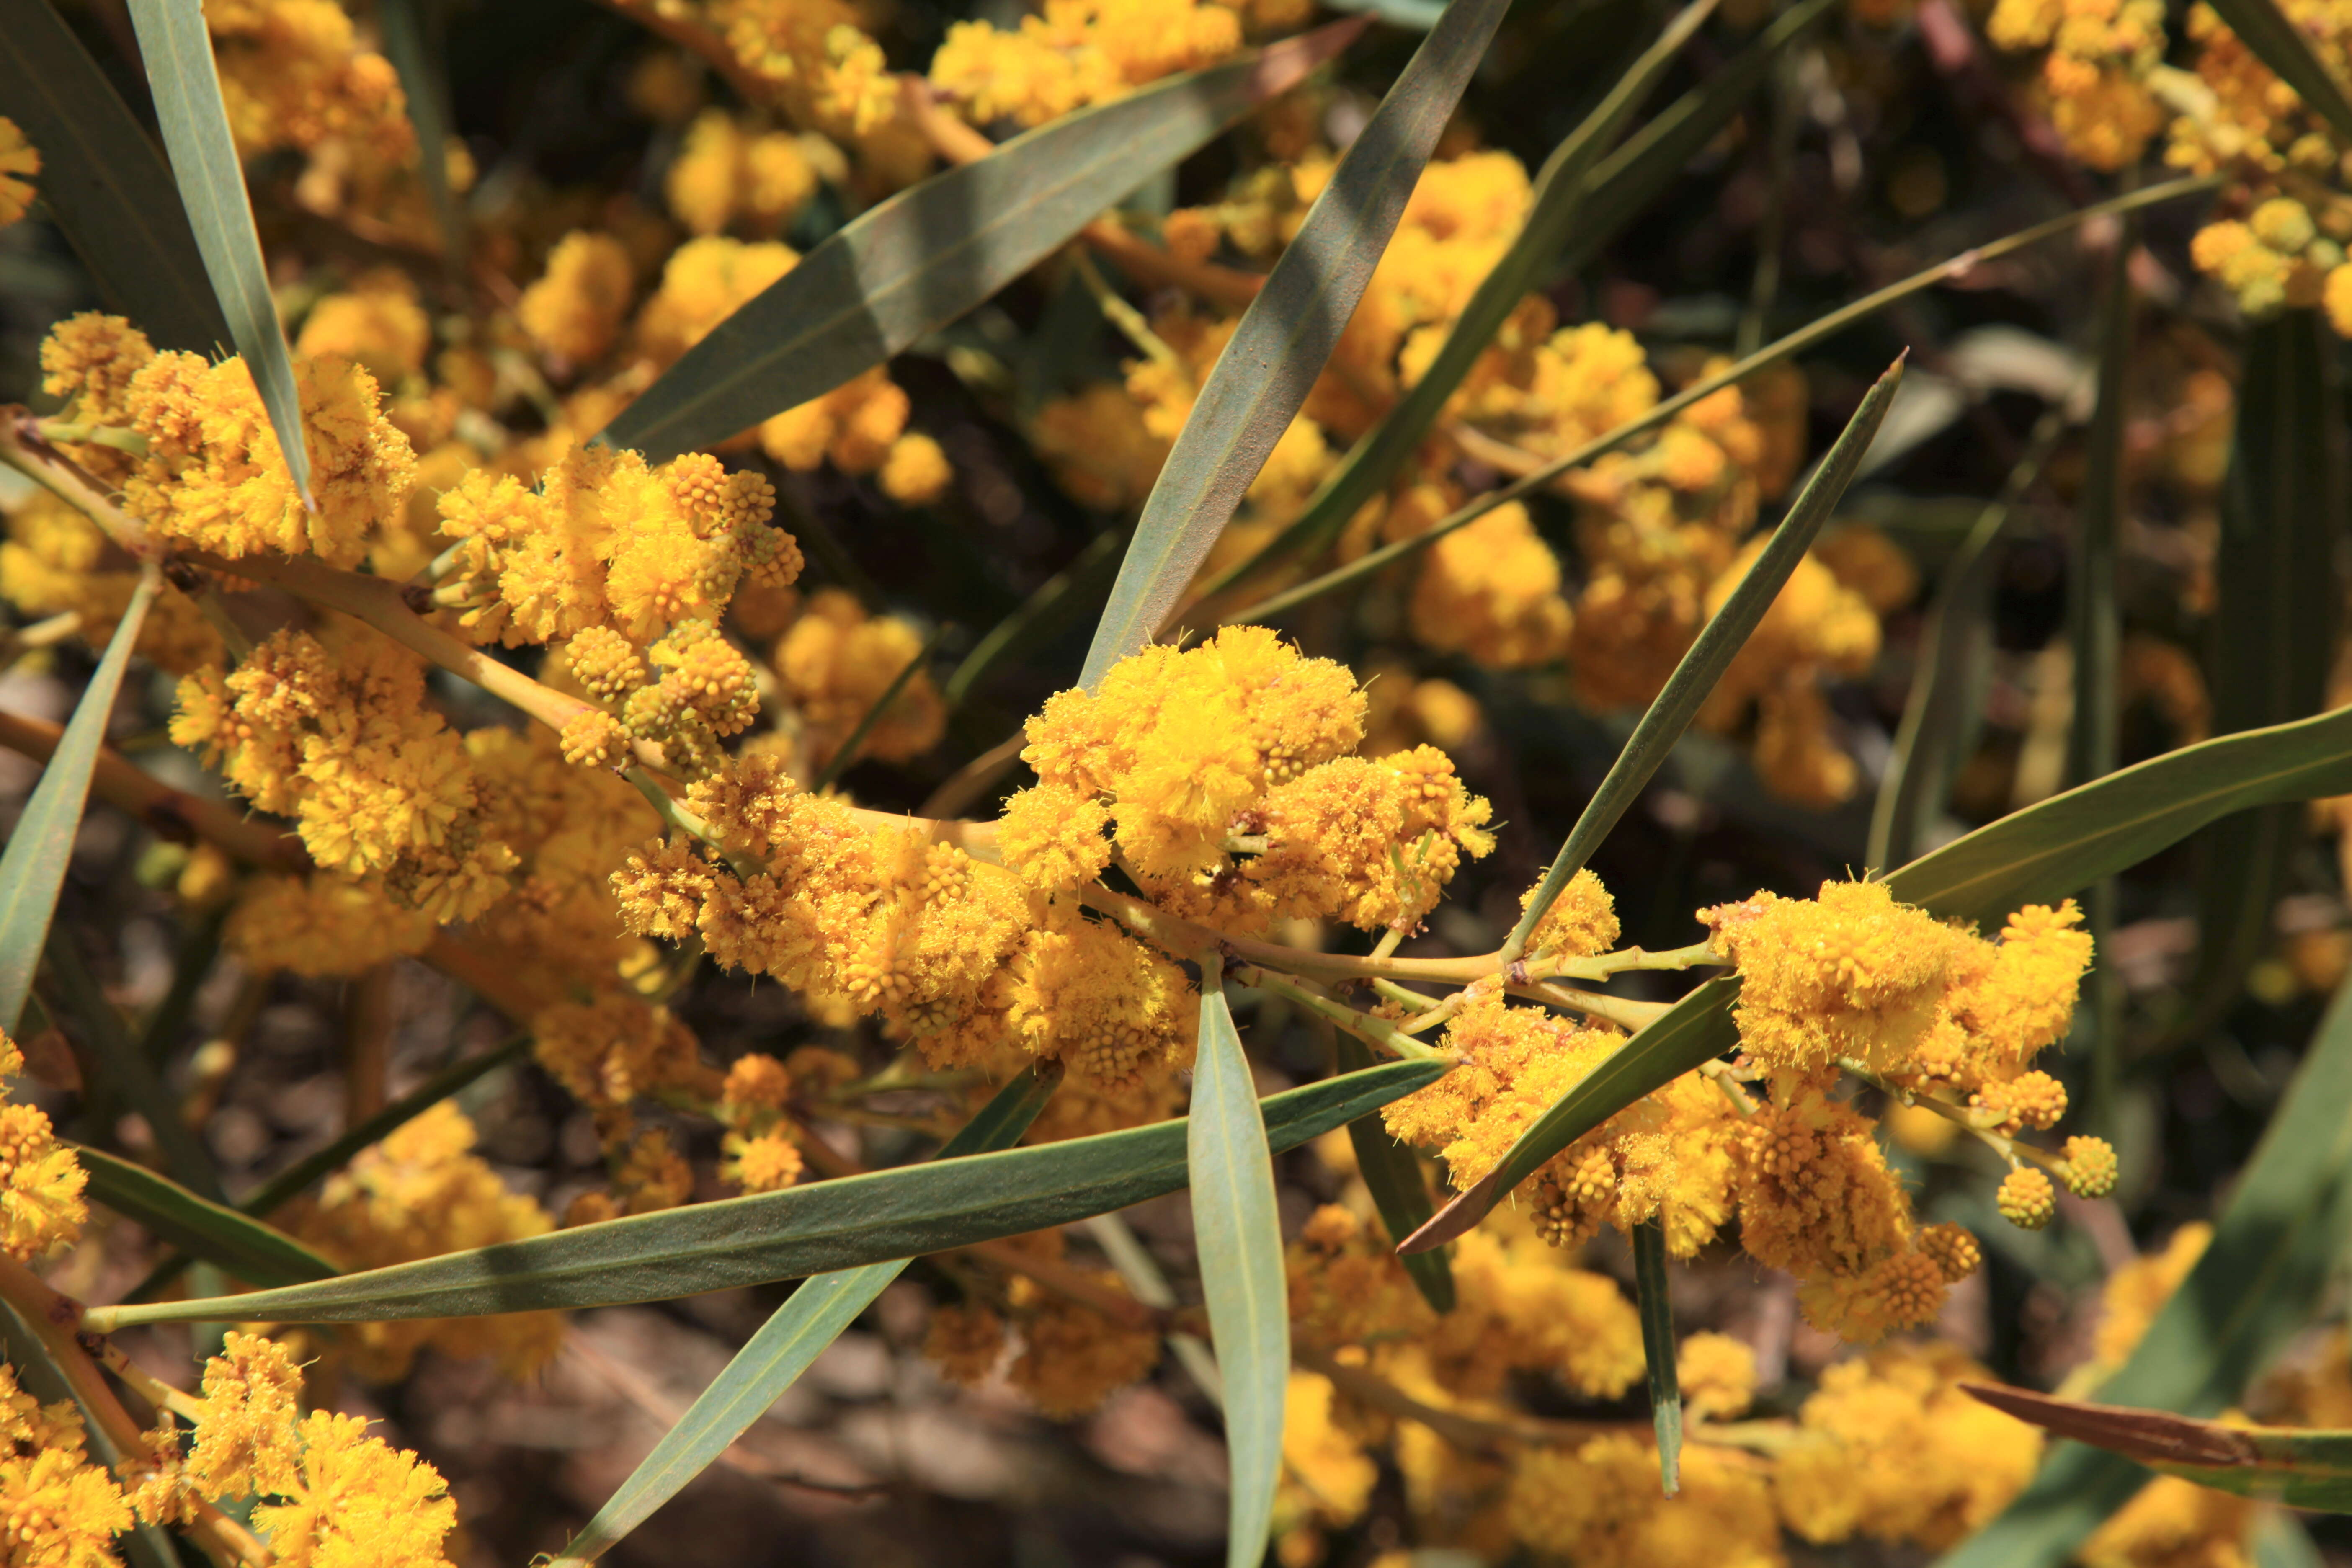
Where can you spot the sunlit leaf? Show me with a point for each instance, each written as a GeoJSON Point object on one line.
{"type": "Point", "coordinates": [1271, 362]}
{"type": "Point", "coordinates": [33, 867]}
{"type": "Point", "coordinates": [178, 53]}
{"type": "Point", "coordinates": [1238, 1231]}
{"type": "Point", "coordinates": [774, 1358]}
{"type": "Point", "coordinates": [822, 1228]}
{"type": "Point", "coordinates": [105, 184]}
{"type": "Point", "coordinates": [917, 262]}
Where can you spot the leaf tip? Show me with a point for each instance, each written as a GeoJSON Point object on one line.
{"type": "Point", "coordinates": [1448, 1223]}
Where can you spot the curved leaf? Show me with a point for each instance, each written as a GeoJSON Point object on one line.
{"type": "Point", "coordinates": [1268, 366]}
{"type": "Point", "coordinates": [105, 184]}
{"type": "Point", "coordinates": [410, 42]}
{"type": "Point", "coordinates": [1555, 203]}
{"type": "Point", "coordinates": [215, 1233]}
{"type": "Point", "coordinates": [1238, 1234]}
{"type": "Point", "coordinates": [1709, 655]}
{"type": "Point", "coordinates": [2275, 1245]}
{"type": "Point", "coordinates": [2300, 1467]}
{"type": "Point", "coordinates": [178, 54]}
{"type": "Point", "coordinates": [913, 263]}
{"type": "Point", "coordinates": [773, 1359]}
{"type": "Point", "coordinates": [33, 867]}
{"type": "Point", "coordinates": [1393, 1175]}
{"type": "Point", "coordinates": [822, 1227]}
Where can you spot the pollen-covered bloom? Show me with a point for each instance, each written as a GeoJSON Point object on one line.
{"type": "Point", "coordinates": [57, 1509]}
{"type": "Point", "coordinates": [41, 1207]}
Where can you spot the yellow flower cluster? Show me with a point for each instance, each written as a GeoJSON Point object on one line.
{"type": "Point", "coordinates": [1182, 763]}
{"type": "Point", "coordinates": [1601, 1505]}
{"type": "Point", "coordinates": [1519, 1309]}
{"type": "Point", "coordinates": [57, 1508]}
{"type": "Point", "coordinates": [2095, 76]}
{"type": "Point", "coordinates": [1852, 978]}
{"type": "Point", "coordinates": [760, 1153]}
{"type": "Point", "coordinates": [574, 310]}
{"type": "Point", "coordinates": [213, 476]}
{"type": "Point", "coordinates": [1075, 53]}
{"type": "Point", "coordinates": [337, 735]}
{"type": "Point", "coordinates": [55, 561]}
{"type": "Point", "coordinates": [20, 160]}
{"type": "Point", "coordinates": [1073, 1355]}
{"type": "Point", "coordinates": [834, 664]}
{"type": "Point", "coordinates": [1891, 1447]}
{"type": "Point", "coordinates": [607, 540]}
{"type": "Point", "coordinates": [376, 323]}
{"type": "Point", "coordinates": [328, 1493]}
{"type": "Point", "coordinates": [41, 1207]}
{"type": "Point", "coordinates": [731, 173]}
{"type": "Point", "coordinates": [828, 75]}
{"type": "Point", "coordinates": [295, 76]}
{"type": "Point", "coordinates": [420, 1192]}
{"type": "Point", "coordinates": [1659, 526]}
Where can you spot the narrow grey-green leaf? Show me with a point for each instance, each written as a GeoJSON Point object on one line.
{"type": "Point", "coordinates": [2063, 843]}
{"type": "Point", "coordinates": [178, 55]}
{"type": "Point", "coordinates": [1567, 225]}
{"type": "Point", "coordinates": [1698, 1028]}
{"type": "Point", "coordinates": [911, 265]}
{"type": "Point", "coordinates": [1268, 366]}
{"type": "Point", "coordinates": [819, 1228]}
{"type": "Point", "coordinates": [1652, 1300]}
{"type": "Point", "coordinates": [774, 1358]}
{"type": "Point", "coordinates": [1393, 1175]}
{"type": "Point", "coordinates": [122, 1069]}
{"type": "Point", "coordinates": [238, 1243]}
{"type": "Point", "coordinates": [1555, 203]}
{"type": "Point", "coordinates": [1709, 655]}
{"type": "Point", "coordinates": [2038, 855]}
{"type": "Point", "coordinates": [1237, 1232]}
{"type": "Point", "coordinates": [105, 184]}
{"type": "Point", "coordinates": [33, 867]}
{"type": "Point", "coordinates": [2281, 511]}
{"type": "Point", "coordinates": [2300, 1467]}
{"type": "Point", "coordinates": [412, 42]}
{"type": "Point", "coordinates": [2275, 1245]}
{"type": "Point", "coordinates": [2279, 44]}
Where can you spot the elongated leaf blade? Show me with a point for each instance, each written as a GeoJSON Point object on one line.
{"type": "Point", "coordinates": [1560, 188]}
{"type": "Point", "coordinates": [105, 184]}
{"type": "Point", "coordinates": [2303, 1467]}
{"type": "Point", "coordinates": [33, 867]}
{"type": "Point", "coordinates": [1275, 356]}
{"type": "Point", "coordinates": [911, 263]}
{"type": "Point", "coordinates": [820, 1229]}
{"type": "Point", "coordinates": [1717, 643]}
{"type": "Point", "coordinates": [178, 54]}
{"type": "Point", "coordinates": [2279, 44]}
{"type": "Point", "coordinates": [1394, 1177]}
{"type": "Point", "coordinates": [1653, 1301]}
{"type": "Point", "coordinates": [772, 1360]}
{"type": "Point", "coordinates": [2061, 844]}
{"type": "Point", "coordinates": [1238, 1233]}
{"type": "Point", "coordinates": [1567, 225]}
{"type": "Point", "coordinates": [238, 1243]}
{"type": "Point", "coordinates": [2275, 1246]}
{"type": "Point", "coordinates": [1698, 1028]}
{"type": "Point", "coordinates": [2280, 511]}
